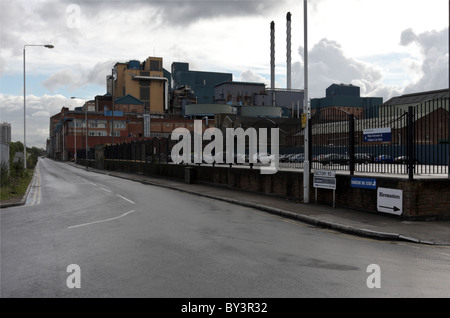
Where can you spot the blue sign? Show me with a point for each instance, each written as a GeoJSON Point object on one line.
{"type": "Point", "coordinates": [377, 135]}
{"type": "Point", "coordinates": [364, 183]}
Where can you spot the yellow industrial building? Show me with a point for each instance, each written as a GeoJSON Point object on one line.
{"type": "Point", "coordinates": [144, 81]}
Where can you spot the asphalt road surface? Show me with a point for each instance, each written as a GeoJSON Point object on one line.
{"type": "Point", "coordinates": [118, 238]}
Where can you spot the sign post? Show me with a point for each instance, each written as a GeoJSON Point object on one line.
{"type": "Point", "coordinates": [377, 135]}
{"type": "Point", "coordinates": [390, 201]}
{"type": "Point", "coordinates": [325, 179]}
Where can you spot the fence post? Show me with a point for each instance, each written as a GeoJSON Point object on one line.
{"type": "Point", "coordinates": [448, 131]}
{"type": "Point", "coordinates": [159, 150]}
{"type": "Point", "coordinates": [351, 138]}
{"type": "Point", "coordinates": [167, 150]}
{"type": "Point", "coordinates": [410, 143]}
{"type": "Point", "coordinates": [311, 140]}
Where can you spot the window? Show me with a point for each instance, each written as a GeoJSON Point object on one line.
{"type": "Point", "coordinates": [154, 66]}
{"type": "Point", "coordinates": [119, 125]}
{"type": "Point", "coordinates": [97, 133]}
{"type": "Point", "coordinates": [144, 93]}
{"type": "Point", "coordinates": [97, 124]}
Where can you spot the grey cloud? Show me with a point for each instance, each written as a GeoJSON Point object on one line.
{"type": "Point", "coordinates": [182, 13]}
{"type": "Point", "coordinates": [20, 19]}
{"type": "Point", "coordinates": [2, 65]}
{"type": "Point", "coordinates": [97, 75]}
{"type": "Point", "coordinates": [434, 49]}
{"type": "Point", "coordinates": [76, 78]}
{"type": "Point", "coordinates": [64, 78]}
{"type": "Point", "coordinates": [328, 64]}
{"type": "Point", "coordinates": [39, 108]}
{"type": "Point", "coordinates": [249, 76]}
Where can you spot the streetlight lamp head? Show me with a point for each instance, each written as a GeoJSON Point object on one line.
{"type": "Point", "coordinates": [49, 46]}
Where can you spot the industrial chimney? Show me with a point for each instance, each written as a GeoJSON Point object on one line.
{"type": "Point", "coordinates": [272, 60]}
{"type": "Point", "coordinates": [288, 50]}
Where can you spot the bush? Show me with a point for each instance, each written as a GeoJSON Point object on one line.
{"type": "Point", "coordinates": [4, 174]}
{"type": "Point", "coordinates": [17, 172]}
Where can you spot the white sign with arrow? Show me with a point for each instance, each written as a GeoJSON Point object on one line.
{"type": "Point", "coordinates": [390, 201]}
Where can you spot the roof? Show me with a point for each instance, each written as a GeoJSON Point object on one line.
{"type": "Point", "coordinates": [240, 83]}
{"type": "Point", "coordinates": [417, 98]}
{"type": "Point", "coordinates": [128, 100]}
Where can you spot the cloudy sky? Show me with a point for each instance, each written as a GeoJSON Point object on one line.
{"type": "Point", "coordinates": [387, 47]}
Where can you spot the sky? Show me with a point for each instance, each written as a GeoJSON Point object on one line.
{"type": "Point", "coordinates": [386, 47]}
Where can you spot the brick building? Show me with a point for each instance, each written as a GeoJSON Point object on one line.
{"type": "Point", "coordinates": [68, 127]}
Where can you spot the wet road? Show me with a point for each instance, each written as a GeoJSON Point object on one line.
{"type": "Point", "coordinates": [134, 240]}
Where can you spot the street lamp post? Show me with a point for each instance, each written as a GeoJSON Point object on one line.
{"type": "Point", "coordinates": [85, 115]}
{"type": "Point", "coordinates": [48, 46]}
{"type": "Point", "coordinates": [306, 164]}
{"type": "Point", "coordinates": [75, 140]}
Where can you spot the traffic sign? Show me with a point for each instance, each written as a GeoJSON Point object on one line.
{"type": "Point", "coordinates": [325, 173]}
{"type": "Point", "coordinates": [325, 179]}
{"type": "Point", "coordinates": [364, 183]}
{"type": "Point", "coordinates": [325, 183]}
{"type": "Point", "coordinates": [377, 135]}
{"type": "Point", "coordinates": [304, 120]}
{"type": "Point", "coordinates": [390, 201]}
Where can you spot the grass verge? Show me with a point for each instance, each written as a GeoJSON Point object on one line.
{"type": "Point", "coordinates": [10, 193]}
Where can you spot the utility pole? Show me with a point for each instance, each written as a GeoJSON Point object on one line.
{"type": "Point", "coordinates": [306, 167]}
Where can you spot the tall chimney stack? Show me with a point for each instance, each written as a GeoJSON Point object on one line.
{"type": "Point", "coordinates": [288, 51]}
{"type": "Point", "coordinates": [272, 60]}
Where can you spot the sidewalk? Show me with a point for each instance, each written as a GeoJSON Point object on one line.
{"type": "Point", "coordinates": [380, 226]}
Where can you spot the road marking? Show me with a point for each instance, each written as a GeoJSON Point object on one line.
{"type": "Point", "coordinates": [35, 189]}
{"type": "Point", "coordinates": [105, 189]}
{"type": "Point", "coordinates": [102, 221]}
{"type": "Point", "coordinates": [125, 199]}
{"type": "Point", "coordinates": [93, 184]}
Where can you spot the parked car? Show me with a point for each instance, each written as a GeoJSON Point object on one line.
{"type": "Point", "coordinates": [363, 158]}
{"type": "Point", "coordinates": [334, 158]}
{"type": "Point", "coordinates": [384, 159]}
{"type": "Point", "coordinates": [285, 157]}
{"type": "Point", "coordinates": [404, 160]}
{"type": "Point", "coordinates": [319, 158]}
{"type": "Point", "coordinates": [297, 158]}
{"type": "Point", "coordinates": [262, 157]}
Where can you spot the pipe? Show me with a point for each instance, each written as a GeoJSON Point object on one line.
{"type": "Point", "coordinates": [272, 60]}
{"type": "Point", "coordinates": [288, 51]}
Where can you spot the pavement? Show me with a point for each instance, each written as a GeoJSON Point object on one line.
{"type": "Point", "coordinates": [367, 224]}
